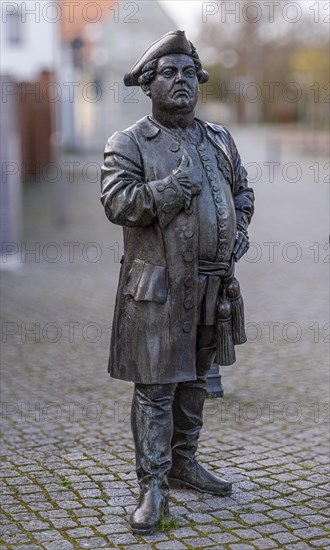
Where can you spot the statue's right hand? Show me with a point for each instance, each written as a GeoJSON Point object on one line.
{"type": "Point", "coordinates": [195, 178]}
{"type": "Point", "coordinates": [189, 176]}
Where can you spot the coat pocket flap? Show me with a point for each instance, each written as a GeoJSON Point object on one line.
{"type": "Point", "coordinates": [147, 282]}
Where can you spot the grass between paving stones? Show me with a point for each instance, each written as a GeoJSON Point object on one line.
{"type": "Point", "coordinates": [166, 524]}
{"type": "Point", "coordinates": [66, 482]}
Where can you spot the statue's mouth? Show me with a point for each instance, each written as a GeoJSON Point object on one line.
{"type": "Point", "coordinates": [181, 92]}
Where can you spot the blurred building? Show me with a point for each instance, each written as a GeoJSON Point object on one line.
{"type": "Point", "coordinates": [29, 47]}
{"type": "Point", "coordinates": [98, 46]}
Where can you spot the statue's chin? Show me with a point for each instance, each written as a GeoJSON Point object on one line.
{"type": "Point", "coordinates": [184, 104]}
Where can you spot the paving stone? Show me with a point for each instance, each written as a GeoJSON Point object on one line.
{"type": "Point", "coordinates": [185, 532]}
{"type": "Point", "coordinates": [284, 538]}
{"type": "Point", "coordinates": [58, 545]}
{"type": "Point", "coordinates": [250, 534]}
{"type": "Point", "coordinates": [223, 538]}
{"type": "Point", "coordinates": [200, 518]}
{"type": "Point", "coordinates": [92, 542]}
{"type": "Point", "coordinates": [269, 528]}
{"type": "Point", "coordinates": [320, 543]}
{"type": "Point", "coordinates": [9, 529]}
{"type": "Point", "coordinates": [301, 510]}
{"type": "Point", "coordinates": [80, 532]}
{"type": "Point", "coordinates": [63, 523]}
{"type": "Point", "coordinates": [29, 546]}
{"type": "Point", "coordinates": [279, 514]}
{"type": "Point", "coordinates": [156, 537]}
{"type": "Point", "coordinates": [86, 512]}
{"type": "Point", "coordinates": [295, 523]}
{"type": "Point", "coordinates": [254, 519]}
{"type": "Point", "coordinates": [112, 528]}
{"type": "Point", "coordinates": [47, 535]}
{"type": "Point", "coordinates": [35, 525]}
{"type": "Point", "coordinates": [89, 521]}
{"type": "Point", "coordinates": [264, 543]}
{"type": "Point", "coordinates": [15, 539]}
{"type": "Point", "coordinates": [171, 545]}
{"type": "Point", "coordinates": [310, 532]}
{"type": "Point", "coordinates": [300, 546]}
{"type": "Point", "coordinates": [124, 539]}
{"type": "Point", "coordinates": [227, 525]}
{"type": "Point", "coordinates": [69, 505]}
{"type": "Point", "coordinates": [241, 546]}
{"type": "Point", "coordinates": [199, 542]}
{"type": "Point", "coordinates": [316, 519]}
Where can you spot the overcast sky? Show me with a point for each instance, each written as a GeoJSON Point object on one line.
{"type": "Point", "coordinates": [187, 14]}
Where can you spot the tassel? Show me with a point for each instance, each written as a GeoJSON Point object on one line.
{"type": "Point", "coordinates": [234, 294]}
{"type": "Point", "coordinates": [225, 344]}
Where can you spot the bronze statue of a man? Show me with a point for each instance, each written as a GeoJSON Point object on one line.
{"type": "Point", "coordinates": [177, 186]}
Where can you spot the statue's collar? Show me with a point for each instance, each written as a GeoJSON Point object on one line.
{"type": "Point", "coordinates": [150, 129]}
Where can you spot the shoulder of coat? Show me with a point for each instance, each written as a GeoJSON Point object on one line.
{"type": "Point", "coordinates": [121, 141]}
{"type": "Point", "coordinates": [145, 128]}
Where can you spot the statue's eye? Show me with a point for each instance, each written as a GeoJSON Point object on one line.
{"type": "Point", "coordinates": [190, 72]}
{"type": "Point", "coordinates": [167, 72]}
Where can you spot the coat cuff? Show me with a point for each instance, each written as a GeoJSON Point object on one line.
{"type": "Point", "coordinates": [242, 221]}
{"type": "Point", "coordinates": [169, 198]}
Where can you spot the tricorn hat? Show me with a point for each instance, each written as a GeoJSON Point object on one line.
{"type": "Point", "coordinates": [172, 42]}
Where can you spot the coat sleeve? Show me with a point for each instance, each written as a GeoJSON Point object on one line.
{"type": "Point", "coordinates": [242, 194]}
{"type": "Point", "coordinates": [127, 197]}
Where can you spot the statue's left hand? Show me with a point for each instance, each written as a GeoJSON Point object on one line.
{"type": "Point", "coordinates": [241, 245]}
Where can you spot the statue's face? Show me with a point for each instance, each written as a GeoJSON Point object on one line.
{"type": "Point", "coordinates": [175, 86]}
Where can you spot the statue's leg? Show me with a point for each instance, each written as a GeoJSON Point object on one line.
{"type": "Point", "coordinates": [188, 405]}
{"type": "Point", "coordinates": [152, 427]}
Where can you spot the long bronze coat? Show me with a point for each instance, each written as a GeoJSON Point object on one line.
{"type": "Point", "coordinates": [154, 326]}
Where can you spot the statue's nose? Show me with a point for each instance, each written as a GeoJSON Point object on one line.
{"type": "Point", "coordinates": [180, 76]}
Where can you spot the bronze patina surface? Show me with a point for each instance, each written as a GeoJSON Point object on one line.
{"type": "Point", "coordinates": [177, 186]}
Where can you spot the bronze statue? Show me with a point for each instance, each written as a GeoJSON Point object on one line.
{"type": "Point", "coordinates": [177, 186]}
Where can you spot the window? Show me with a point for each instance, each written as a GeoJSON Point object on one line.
{"type": "Point", "coordinates": [14, 28]}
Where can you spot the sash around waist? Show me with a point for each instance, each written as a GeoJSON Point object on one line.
{"type": "Point", "coordinates": [213, 268]}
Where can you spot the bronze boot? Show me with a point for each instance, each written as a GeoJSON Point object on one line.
{"type": "Point", "coordinates": [152, 506]}
{"type": "Point", "coordinates": [151, 418]}
{"type": "Point", "coordinates": [188, 420]}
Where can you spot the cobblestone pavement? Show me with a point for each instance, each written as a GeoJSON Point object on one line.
{"type": "Point", "coordinates": [68, 463]}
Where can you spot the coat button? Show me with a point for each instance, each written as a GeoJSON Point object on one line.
{"type": "Point", "coordinates": [175, 147]}
{"type": "Point", "coordinates": [187, 326]}
{"type": "Point", "coordinates": [188, 233]}
{"type": "Point", "coordinates": [215, 188]}
{"type": "Point", "coordinates": [188, 303]}
{"type": "Point", "coordinates": [189, 210]}
{"type": "Point", "coordinates": [227, 165]}
{"type": "Point", "coordinates": [188, 256]}
{"type": "Point", "coordinates": [188, 282]}
{"type": "Point", "coordinates": [217, 199]}
{"type": "Point", "coordinates": [160, 187]}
